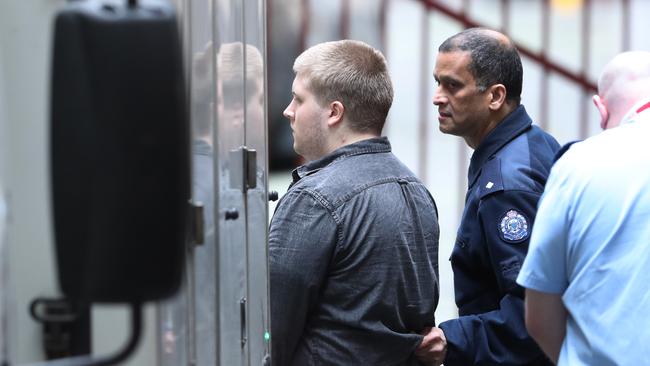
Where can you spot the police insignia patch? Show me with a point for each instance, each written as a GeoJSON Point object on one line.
{"type": "Point", "coordinates": [514, 227]}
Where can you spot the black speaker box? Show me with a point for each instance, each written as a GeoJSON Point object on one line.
{"type": "Point", "coordinates": [119, 151]}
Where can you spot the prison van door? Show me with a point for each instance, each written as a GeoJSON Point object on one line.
{"type": "Point", "coordinates": [221, 316]}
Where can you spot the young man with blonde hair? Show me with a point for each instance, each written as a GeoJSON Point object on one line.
{"type": "Point", "coordinates": [353, 244]}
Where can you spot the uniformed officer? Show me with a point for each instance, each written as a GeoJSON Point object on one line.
{"type": "Point", "coordinates": [479, 77]}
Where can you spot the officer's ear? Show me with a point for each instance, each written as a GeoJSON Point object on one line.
{"type": "Point", "coordinates": [497, 95]}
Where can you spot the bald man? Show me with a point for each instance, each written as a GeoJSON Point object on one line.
{"type": "Point", "coordinates": [623, 83]}
{"type": "Point", "coordinates": [479, 77]}
{"type": "Point", "coordinates": [588, 269]}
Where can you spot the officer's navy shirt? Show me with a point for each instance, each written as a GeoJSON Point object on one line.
{"type": "Point", "coordinates": [506, 178]}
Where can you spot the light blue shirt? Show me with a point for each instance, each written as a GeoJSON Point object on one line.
{"type": "Point", "coordinates": [591, 243]}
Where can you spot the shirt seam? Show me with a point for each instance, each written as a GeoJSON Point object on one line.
{"type": "Point", "coordinates": [348, 196]}
{"type": "Point", "coordinates": [330, 209]}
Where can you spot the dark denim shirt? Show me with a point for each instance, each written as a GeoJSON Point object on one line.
{"type": "Point", "coordinates": [506, 178]}
{"type": "Point", "coordinates": [353, 250]}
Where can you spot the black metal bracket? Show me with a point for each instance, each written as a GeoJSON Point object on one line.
{"type": "Point", "coordinates": [66, 326]}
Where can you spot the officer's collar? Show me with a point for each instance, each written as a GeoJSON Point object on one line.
{"type": "Point", "coordinates": [372, 145]}
{"type": "Point", "coordinates": [511, 126]}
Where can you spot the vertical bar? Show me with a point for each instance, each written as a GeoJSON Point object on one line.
{"type": "Point", "coordinates": [216, 179]}
{"type": "Point", "coordinates": [304, 24]}
{"type": "Point", "coordinates": [543, 95]}
{"type": "Point", "coordinates": [383, 26]}
{"type": "Point", "coordinates": [463, 12]}
{"type": "Point", "coordinates": [190, 345]}
{"type": "Point", "coordinates": [424, 103]}
{"type": "Point", "coordinates": [266, 17]}
{"type": "Point", "coordinates": [586, 42]}
{"type": "Point", "coordinates": [268, 65]}
{"type": "Point", "coordinates": [191, 305]}
{"type": "Point", "coordinates": [254, 304]}
{"type": "Point", "coordinates": [243, 313]}
{"type": "Point", "coordinates": [4, 265]}
{"type": "Point", "coordinates": [626, 25]}
{"type": "Point", "coordinates": [462, 148]}
{"type": "Point", "coordinates": [505, 16]}
{"type": "Point", "coordinates": [344, 30]}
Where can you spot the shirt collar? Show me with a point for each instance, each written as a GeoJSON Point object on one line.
{"type": "Point", "coordinates": [512, 126]}
{"type": "Point", "coordinates": [642, 106]}
{"type": "Point", "coordinates": [373, 145]}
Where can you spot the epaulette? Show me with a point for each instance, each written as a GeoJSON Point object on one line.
{"type": "Point", "coordinates": [491, 180]}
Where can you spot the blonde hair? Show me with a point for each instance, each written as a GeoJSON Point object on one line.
{"type": "Point", "coordinates": [353, 73]}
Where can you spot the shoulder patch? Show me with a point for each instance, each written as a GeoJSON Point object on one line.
{"type": "Point", "coordinates": [513, 227]}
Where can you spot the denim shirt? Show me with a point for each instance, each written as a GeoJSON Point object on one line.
{"type": "Point", "coordinates": [353, 250]}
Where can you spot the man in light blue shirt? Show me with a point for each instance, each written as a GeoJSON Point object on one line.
{"type": "Point", "coordinates": [587, 271]}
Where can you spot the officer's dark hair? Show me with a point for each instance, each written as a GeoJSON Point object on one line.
{"type": "Point", "coordinates": [492, 60]}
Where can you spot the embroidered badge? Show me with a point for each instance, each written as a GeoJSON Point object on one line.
{"type": "Point", "coordinates": [514, 226]}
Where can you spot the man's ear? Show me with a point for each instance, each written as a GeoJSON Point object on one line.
{"type": "Point", "coordinates": [602, 110]}
{"type": "Point", "coordinates": [497, 95]}
{"type": "Point", "coordinates": [337, 110]}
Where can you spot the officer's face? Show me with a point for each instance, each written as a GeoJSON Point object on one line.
{"type": "Point", "coordinates": [462, 107]}
{"type": "Point", "coordinates": [308, 121]}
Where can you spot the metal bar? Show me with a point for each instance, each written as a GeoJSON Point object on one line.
{"type": "Point", "coordinates": [505, 16]}
{"type": "Point", "coordinates": [585, 50]}
{"type": "Point", "coordinates": [383, 26]}
{"type": "Point", "coordinates": [543, 93]}
{"type": "Point", "coordinates": [626, 25]}
{"type": "Point", "coordinates": [425, 83]}
{"type": "Point", "coordinates": [344, 25]}
{"type": "Point", "coordinates": [463, 11]}
{"type": "Point", "coordinates": [188, 49]}
{"type": "Point", "coordinates": [462, 147]}
{"type": "Point", "coordinates": [538, 57]}
{"type": "Point", "coordinates": [268, 64]}
{"type": "Point", "coordinates": [304, 24]}
{"type": "Point", "coordinates": [217, 180]}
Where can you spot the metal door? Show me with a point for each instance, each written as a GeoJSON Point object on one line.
{"type": "Point", "coordinates": [221, 315]}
